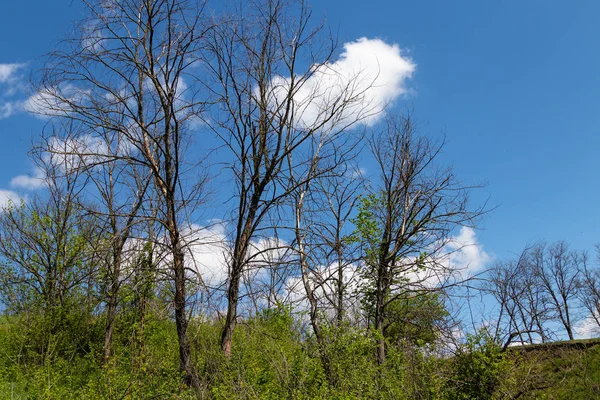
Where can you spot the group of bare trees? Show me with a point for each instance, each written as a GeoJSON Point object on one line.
{"type": "Point", "coordinates": [142, 102]}
{"type": "Point", "coordinates": [542, 294]}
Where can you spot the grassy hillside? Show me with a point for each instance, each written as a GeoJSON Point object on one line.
{"type": "Point", "coordinates": [559, 370]}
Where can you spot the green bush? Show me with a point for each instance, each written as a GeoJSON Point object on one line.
{"type": "Point", "coordinates": [477, 368]}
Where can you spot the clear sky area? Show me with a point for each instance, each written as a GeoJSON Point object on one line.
{"type": "Point", "coordinates": [513, 85]}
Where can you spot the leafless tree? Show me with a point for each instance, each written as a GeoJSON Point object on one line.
{"type": "Point", "coordinates": [558, 269]}
{"type": "Point", "coordinates": [523, 309]}
{"type": "Point", "coordinates": [337, 195]}
{"type": "Point", "coordinates": [118, 192]}
{"type": "Point", "coordinates": [115, 193]}
{"type": "Point", "coordinates": [589, 289]}
{"type": "Point", "coordinates": [321, 206]}
{"type": "Point", "coordinates": [129, 77]}
{"type": "Point", "coordinates": [405, 222]}
{"type": "Point", "coordinates": [267, 120]}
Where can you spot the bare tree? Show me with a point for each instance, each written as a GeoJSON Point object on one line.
{"type": "Point", "coordinates": [120, 190]}
{"type": "Point", "coordinates": [336, 196]}
{"type": "Point", "coordinates": [523, 309]}
{"type": "Point", "coordinates": [264, 118]}
{"type": "Point", "coordinates": [115, 192]}
{"type": "Point", "coordinates": [558, 269]}
{"type": "Point", "coordinates": [405, 222]}
{"type": "Point", "coordinates": [129, 78]}
{"type": "Point", "coordinates": [589, 289]}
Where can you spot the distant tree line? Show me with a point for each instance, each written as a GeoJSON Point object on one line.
{"type": "Point", "coordinates": [544, 293]}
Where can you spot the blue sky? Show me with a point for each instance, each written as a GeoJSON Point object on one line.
{"type": "Point", "coordinates": [513, 85]}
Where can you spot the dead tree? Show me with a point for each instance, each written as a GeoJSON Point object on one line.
{"type": "Point", "coordinates": [589, 289]}
{"type": "Point", "coordinates": [522, 305]}
{"type": "Point", "coordinates": [269, 116]}
{"type": "Point", "coordinates": [321, 207]}
{"type": "Point", "coordinates": [405, 221]}
{"type": "Point", "coordinates": [558, 269]}
{"type": "Point", "coordinates": [130, 74]}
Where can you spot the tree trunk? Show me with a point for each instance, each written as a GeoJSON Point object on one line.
{"type": "Point", "coordinates": [232, 301]}
{"type": "Point", "coordinates": [111, 310]}
{"type": "Point", "coordinates": [314, 320]}
{"type": "Point", "coordinates": [237, 267]}
{"type": "Point", "coordinates": [380, 341]}
{"type": "Point", "coordinates": [382, 288]}
{"type": "Point", "coordinates": [340, 284]}
{"type": "Point", "coordinates": [185, 362]}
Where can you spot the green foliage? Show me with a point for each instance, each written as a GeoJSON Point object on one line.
{"type": "Point", "coordinates": [477, 368]}
{"type": "Point", "coordinates": [269, 361]}
{"type": "Point", "coordinates": [415, 319]}
{"type": "Point", "coordinates": [368, 229]}
{"type": "Point", "coordinates": [45, 257]}
{"type": "Point", "coordinates": [274, 357]}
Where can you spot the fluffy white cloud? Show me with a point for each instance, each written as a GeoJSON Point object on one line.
{"type": "Point", "coordinates": [460, 257]}
{"type": "Point", "coordinates": [208, 250]}
{"type": "Point", "coordinates": [7, 109]}
{"type": "Point", "coordinates": [29, 182]}
{"type": "Point", "coordinates": [10, 84]}
{"type": "Point", "coordinates": [587, 328]}
{"type": "Point", "coordinates": [464, 252]}
{"type": "Point", "coordinates": [54, 101]}
{"type": "Point", "coordinates": [8, 197]}
{"type": "Point", "coordinates": [85, 150]}
{"type": "Point", "coordinates": [8, 72]}
{"type": "Point", "coordinates": [368, 75]}
{"type": "Point", "coordinates": [322, 281]}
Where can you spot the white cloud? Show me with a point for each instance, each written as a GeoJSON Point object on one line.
{"type": "Point", "coordinates": [54, 101]}
{"type": "Point", "coordinates": [7, 109]}
{"type": "Point", "coordinates": [93, 39]}
{"type": "Point", "coordinates": [464, 252]}
{"type": "Point", "coordinates": [86, 150]}
{"type": "Point", "coordinates": [208, 250]}
{"type": "Point", "coordinates": [8, 72]}
{"type": "Point", "coordinates": [458, 259]}
{"type": "Point", "coordinates": [587, 328]}
{"type": "Point", "coordinates": [360, 172]}
{"type": "Point", "coordinates": [8, 197]}
{"type": "Point", "coordinates": [368, 75]}
{"type": "Point", "coordinates": [29, 182]}
{"type": "Point", "coordinates": [10, 84]}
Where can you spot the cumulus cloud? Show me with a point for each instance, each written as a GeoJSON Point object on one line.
{"type": "Point", "coordinates": [7, 109]}
{"type": "Point", "coordinates": [8, 72]}
{"type": "Point", "coordinates": [368, 75]}
{"type": "Point", "coordinates": [454, 260]}
{"type": "Point", "coordinates": [587, 328]}
{"type": "Point", "coordinates": [10, 84]}
{"type": "Point", "coordinates": [322, 281]}
{"type": "Point", "coordinates": [8, 197]}
{"type": "Point", "coordinates": [462, 255]}
{"type": "Point", "coordinates": [208, 250]}
{"type": "Point", "coordinates": [464, 252]}
{"type": "Point", "coordinates": [29, 182]}
{"type": "Point", "coordinates": [86, 150]}
{"type": "Point", "coordinates": [54, 101]}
